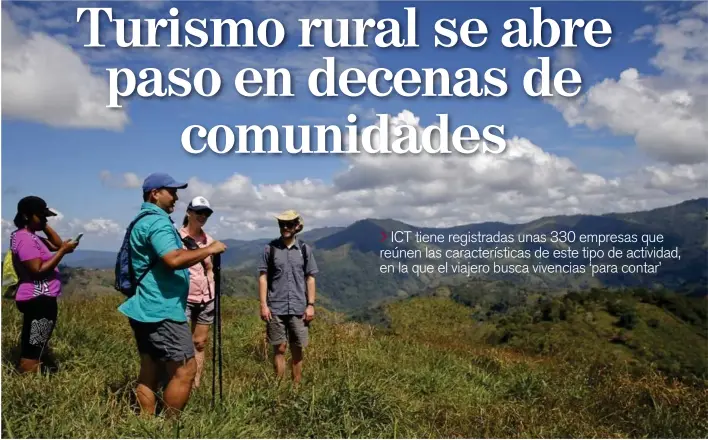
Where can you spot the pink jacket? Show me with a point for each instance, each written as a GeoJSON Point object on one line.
{"type": "Point", "coordinates": [201, 285]}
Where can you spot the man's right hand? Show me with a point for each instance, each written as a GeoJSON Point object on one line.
{"type": "Point", "coordinates": [217, 247]}
{"type": "Point", "coordinates": [265, 312]}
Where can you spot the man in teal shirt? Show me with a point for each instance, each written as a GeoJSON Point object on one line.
{"type": "Point", "coordinates": [157, 310]}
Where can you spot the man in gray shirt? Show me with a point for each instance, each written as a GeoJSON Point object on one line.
{"type": "Point", "coordinates": [286, 287]}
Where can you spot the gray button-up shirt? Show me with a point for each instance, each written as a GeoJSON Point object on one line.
{"type": "Point", "coordinates": [287, 294]}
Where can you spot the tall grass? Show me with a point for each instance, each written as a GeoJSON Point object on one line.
{"type": "Point", "coordinates": [357, 382]}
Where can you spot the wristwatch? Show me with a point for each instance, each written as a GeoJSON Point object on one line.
{"type": "Point", "coordinates": [311, 304]}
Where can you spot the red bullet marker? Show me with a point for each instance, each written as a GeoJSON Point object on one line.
{"type": "Point", "coordinates": [383, 236]}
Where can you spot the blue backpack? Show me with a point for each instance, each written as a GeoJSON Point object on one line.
{"type": "Point", "coordinates": [125, 281]}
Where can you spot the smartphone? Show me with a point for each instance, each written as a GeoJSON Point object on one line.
{"type": "Point", "coordinates": [78, 237]}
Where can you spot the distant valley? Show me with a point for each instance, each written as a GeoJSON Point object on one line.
{"type": "Point", "coordinates": [349, 257]}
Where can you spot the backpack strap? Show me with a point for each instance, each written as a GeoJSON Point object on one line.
{"type": "Point", "coordinates": [303, 251]}
{"type": "Point", "coordinates": [271, 262]}
{"type": "Point", "coordinates": [130, 254]}
{"type": "Point", "coordinates": [192, 244]}
{"type": "Point", "coordinates": [150, 266]}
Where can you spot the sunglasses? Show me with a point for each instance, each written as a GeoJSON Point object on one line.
{"type": "Point", "coordinates": [204, 213]}
{"type": "Point", "coordinates": [290, 224]}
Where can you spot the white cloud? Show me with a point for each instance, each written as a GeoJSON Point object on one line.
{"type": "Point", "coordinates": [54, 26]}
{"type": "Point", "coordinates": [641, 32]}
{"type": "Point", "coordinates": [150, 4]}
{"type": "Point", "coordinates": [670, 124]}
{"type": "Point", "coordinates": [565, 57]}
{"type": "Point", "coordinates": [97, 226]}
{"type": "Point", "coordinates": [126, 180]}
{"type": "Point", "coordinates": [290, 13]}
{"type": "Point", "coordinates": [683, 48]}
{"type": "Point", "coordinates": [45, 81]}
{"type": "Point", "coordinates": [131, 180]}
{"type": "Point", "coordinates": [7, 227]}
{"type": "Point", "coordinates": [363, 114]}
{"type": "Point", "coordinates": [522, 184]}
{"type": "Point", "coordinates": [69, 228]}
{"type": "Point", "coordinates": [666, 114]}
{"type": "Point", "coordinates": [56, 218]}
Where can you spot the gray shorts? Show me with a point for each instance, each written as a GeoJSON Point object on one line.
{"type": "Point", "coordinates": [165, 340]}
{"type": "Point", "coordinates": [201, 313]}
{"type": "Point", "coordinates": [287, 328]}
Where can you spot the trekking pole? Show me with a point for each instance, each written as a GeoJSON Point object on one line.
{"type": "Point", "coordinates": [217, 288]}
{"type": "Point", "coordinates": [216, 337]}
{"type": "Point", "coordinates": [213, 351]}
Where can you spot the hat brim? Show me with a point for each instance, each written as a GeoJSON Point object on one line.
{"type": "Point", "coordinates": [176, 185]}
{"type": "Point", "coordinates": [49, 213]}
{"type": "Point", "coordinates": [200, 209]}
{"type": "Point", "coordinates": [286, 218]}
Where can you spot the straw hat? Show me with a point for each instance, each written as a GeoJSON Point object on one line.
{"type": "Point", "coordinates": [289, 215]}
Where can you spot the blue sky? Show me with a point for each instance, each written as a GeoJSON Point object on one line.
{"type": "Point", "coordinates": [65, 164]}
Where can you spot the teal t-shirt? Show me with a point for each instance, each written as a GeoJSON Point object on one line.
{"type": "Point", "coordinates": [162, 293]}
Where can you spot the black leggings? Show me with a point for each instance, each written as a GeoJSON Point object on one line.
{"type": "Point", "coordinates": [40, 318]}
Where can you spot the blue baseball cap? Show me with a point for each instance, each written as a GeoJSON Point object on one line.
{"type": "Point", "coordinates": [161, 180]}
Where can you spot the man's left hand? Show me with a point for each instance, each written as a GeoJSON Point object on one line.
{"type": "Point", "coordinates": [309, 313]}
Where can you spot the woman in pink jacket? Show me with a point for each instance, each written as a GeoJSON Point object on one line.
{"type": "Point", "coordinates": [200, 302]}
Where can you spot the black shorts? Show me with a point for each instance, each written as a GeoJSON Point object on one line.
{"type": "Point", "coordinates": [165, 340]}
{"type": "Point", "coordinates": [40, 318]}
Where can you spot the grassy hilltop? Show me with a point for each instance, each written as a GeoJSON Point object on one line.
{"type": "Point", "coordinates": [404, 356]}
{"type": "Point", "coordinates": [582, 366]}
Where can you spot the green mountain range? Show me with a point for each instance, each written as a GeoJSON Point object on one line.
{"type": "Point", "coordinates": [660, 248]}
